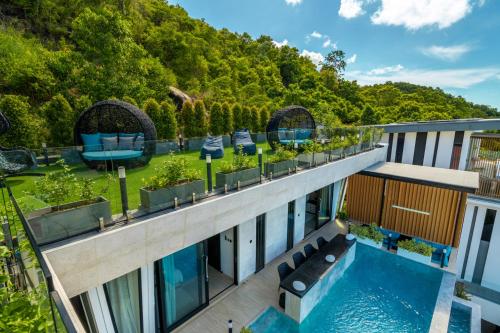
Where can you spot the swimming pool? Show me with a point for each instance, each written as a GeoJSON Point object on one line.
{"type": "Point", "coordinates": [460, 319]}
{"type": "Point", "coordinates": [379, 292]}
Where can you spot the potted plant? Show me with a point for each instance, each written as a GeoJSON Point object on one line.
{"type": "Point", "coordinates": [366, 139]}
{"type": "Point", "coordinates": [351, 142]}
{"type": "Point", "coordinates": [416, 251]}
{"type": "Point", "coordinates": [74, 206]}
{"type": "Point", "coordinates": [368, 235]}
{"type": "Point", "coordinates": [172, 179]}
{"type": "Point", "coordinates": [334, 149]}
{"type": "Point", "coordinates": [312, 154]}
{"type": "Point", "coordinates": [281, 162]}
{"type": "Point", "coordinates": [243, 168]}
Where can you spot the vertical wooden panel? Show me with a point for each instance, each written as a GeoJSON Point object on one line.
{"type": "Point", "coordinates": [364, 197]}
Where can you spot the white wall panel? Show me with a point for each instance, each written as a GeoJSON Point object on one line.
{"type": "Point", "coordinates": [246, 249]}
{"type": "Point", "coordinates": [394, 144]}
{"type": "Point", "coordinates": [227, 252]}
{"type": "Point", "coordinates": [409, 147]}
{"type": "Point", "coordinates": [276, 232]}
{"type": "Point", "coordinates": [474, 245]}
{"type": "Point", "coordinates": [445, 149]}
{"type": "Point", "coordinates": [465, 150]}
{"type": "Point", "coordinates": [429, 148]}
{"type": "Point", "coordinates": [491, 275]}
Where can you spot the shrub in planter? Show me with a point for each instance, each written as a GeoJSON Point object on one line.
{"type": "Point", "coordinates": [416, 251]}
{"type": "Point", "coordinates": [334, 148]}
{"type": "Point", "coordinates": [173, 179]}
{"type": "Point", "coordinates": [243, 168]}
{"type": "Point", "coordinates": [369, 235]}
{"type": "Point", "coordinates": [279, 163]}
{"type": "Point", "coordinates": [312, 154]}
{"type": "Point", "coordinates": [74, 205]}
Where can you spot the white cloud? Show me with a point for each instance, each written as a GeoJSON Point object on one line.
{"type": "Point", "coordinates": [416, 14]}
{"type": "Point", "coordinates": [327, 42]}
{"type": "Point", "coordinates": [450, 53]}
{"type": "Point", "coordinates": [351, 8]}
{"type": "Point", "coordinates": [316, 57]}
{"type": "Point", "coordinates": [443, 78]}
{"type": "Point", "coordinates": [385, 70]}
{"type": "Point", "coordinates": [280, 44]}
{"type": "Point", "coordinates": [293, 2]}
{"type": "Point", "coordinates": [315, 34]}
{"type": "Point", "coordinates": [352, 59]}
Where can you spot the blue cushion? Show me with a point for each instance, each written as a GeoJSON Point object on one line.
{"type": "Point", "coordinates": [107, 135]}
{"type": "Point", "coordinates": [127, 135]}
{"type": "Point", "coordinates": [110, 143]}
{"type": "Point", "coordinates": [92, 142]}
{"type": "Point", "coordinates": [139, 143]}
{"type": "Point", "coordinates": [111, 155]}
{"type": "Point", "coordinates": [126, 143]}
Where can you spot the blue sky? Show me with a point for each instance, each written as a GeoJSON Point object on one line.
{"type": "Point", "coordinates": [451, 44]}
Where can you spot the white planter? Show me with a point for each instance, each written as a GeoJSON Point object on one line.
{"type": "Point", "coordinates": [369, 242]}
{"type": "Point", "coordinates": [414, 256]}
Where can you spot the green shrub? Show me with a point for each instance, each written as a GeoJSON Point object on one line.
{"type": "Point", "coordinates": [264, 118]}
{"type": "Point", "coordinates": [417, 247]}
{"type": "Point", "coordinates": [255, 122]}
{"type": "Point", "coordinates": [371, 232]}
{"type": "Point", "coordinates": [169, 128]}
{"type": "Point", "coordinates": [246, 118]}
{"type": "Point", "coordinates": [188, 122]}
{"type": "Point", "coordinates": [173, 171]}
{"type": "Point", "coordinates": [237, 117]}
{"type": "Point", "coordinates": [246, 330]}
{"type": "Point", "coordinates": [130, 100]}
{"type": "Point", "coordinates": [312, 147]}
{"type": "Point", "coordinates": [154, 111]}
{"type": "Point", "coordinates": [461, 291]}
{"type": "Point", "coordinates": [240, 162]}
{"type": "Point", "coordinates": [227, 118]}
{"type": "Point", "coordinates": [200, 118]}
{"type": "Point", "coordinates": [343, 215]}
{"type": "Point", "coordinates": [216, 119]}
{"type": "Point", "coordinates": [282, 154]}
{"type": "Point", "coordinates": [60, 121]}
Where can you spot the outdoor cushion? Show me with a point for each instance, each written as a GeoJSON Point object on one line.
{"type": "Point", "coordinates": [92, 142]}
{"type": "Point", "coordinates": [111, 155]}
{"type": "Point", "coordinates": [126, 143]}
{"type": "Point", "coordinates": [107, 135]}
{"type": "Point", "coordinates": [127, 135]}
{"type": "Point", "coordinates": [213, 146]}
{"type": "Point", "coordinates": [243, 139]}
{"type": "Point", "coordinates": [139, 143]}
{"type": "Point", "coordinates": [110, 143]}
{"type": "Point", "coordinates": [302, 134]}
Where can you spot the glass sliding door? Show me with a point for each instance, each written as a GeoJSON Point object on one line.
{"type": "Point", "coordinates": [182, 285]}
{"type": "Point", "coordinates": [124, 300]}
{"type": "Point", "coordinates": [324, 205]}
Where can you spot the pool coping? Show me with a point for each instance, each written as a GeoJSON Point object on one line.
{"type": "Point", "coordinates": [475, 313]}
{"type": "Point", "coordinates": [442, 309]}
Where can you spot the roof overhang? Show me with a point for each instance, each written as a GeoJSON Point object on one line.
{"type": "Point", "coordinates": [463, 181]}
{"type": "Point", "coordinates": [443, 125]}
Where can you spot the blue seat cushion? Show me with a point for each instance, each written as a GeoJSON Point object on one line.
{"type": "Point", "coordinates": [92, 142]}
{"type": "Point", "coordinates": [127, 135]}
{"type": "Point", "coordinates": [111, 155]}
{"type": "Point", "coordinates": [107, 135]}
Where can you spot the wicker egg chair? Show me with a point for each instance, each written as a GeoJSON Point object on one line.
{"type": "Point", "coordinates": [293, 124]}
{"type": "Point", "coordinates": [111, 117]}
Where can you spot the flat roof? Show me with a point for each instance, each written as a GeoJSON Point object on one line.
{"type": "Point", "coordinates": [463, 181]}
{"type": "Point", "coordinates": [475, 124]}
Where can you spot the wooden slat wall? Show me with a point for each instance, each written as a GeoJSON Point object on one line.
{"type": "Point", "coordinates": [446, 208]}
{"type": "Point", "coordinates": [364, 197]}
{"type": "Point", "coordinates": [442, 204]}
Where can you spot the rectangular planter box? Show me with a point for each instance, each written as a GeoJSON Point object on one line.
{"type": "Point", "coordinates": [369, 242]}
{"type": "Point", "coordinates": [350, 150]}
{"type": "Point", "coordinates": [280, 168]}
{"type": "Point", "coordinates": [50, 225]}
{"type": "Point", "coordinates": [164, 197]}
{"type": "Point", "coordinates": [226, 141]}
{"type": "Point", "coordinates": [307, 160]}
{"type": "Point", "coordinates": [165, 147]}
{"type": "Point", "coordinates": [334, 154]}
{"type": "Point", "coordinates": [193, 144]}
{"type": "Point", "coordinates": [414, 256]}
{"type": "Point", "coordinates": [246, 177]}
{"type": "Point", "coordinates": [258, 137]}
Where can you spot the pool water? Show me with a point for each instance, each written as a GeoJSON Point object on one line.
{"type": "Point", "coordinates": [379, 292]}
{"type": "Point", "coordinates": [459, 320]}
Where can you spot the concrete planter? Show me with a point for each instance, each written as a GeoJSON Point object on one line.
{"type": "Point", "coordinates": [307, 160]}
{"type": "Point", "coordinates": [245, 177]}
{"type": "Point", "coordinates": [165, 197]}
{"type": "Point", "coordinates": [414, 256]}
{"type": "Point", "coordinates": [166, 147]}
{"type": "Point", "coordinates": [369, 242]}
{"type": "Point", "coordinates": [193, 144]}
{"type": "Point", "coordinates": [226, 141]}
{"type": "Point", "coordinates": [52, 224]}
{"type": "Point", "coordinates": [258, 137]}
{"type": "Point", "coordinates": [280, 168]}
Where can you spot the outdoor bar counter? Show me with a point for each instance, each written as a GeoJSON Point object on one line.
{"type": "Point", "coordinates": [318, 275]}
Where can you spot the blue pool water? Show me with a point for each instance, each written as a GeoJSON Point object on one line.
{"type": "Point", "coordinates": [459, 320]}
{"type": "Point", "coordinates": [379, 292]}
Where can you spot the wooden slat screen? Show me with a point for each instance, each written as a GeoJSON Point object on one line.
{"type": "Point", "coordinates": [364, 197]}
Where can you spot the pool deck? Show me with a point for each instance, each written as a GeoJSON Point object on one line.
{"type": "Point", "coordinates": [246, 301]}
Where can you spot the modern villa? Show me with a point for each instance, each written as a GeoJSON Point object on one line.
{"type": "Point", "coordinates": [379, 232]}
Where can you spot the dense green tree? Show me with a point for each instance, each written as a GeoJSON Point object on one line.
{"type": "Point", "coordinates": [264, 118]}
{"type": "Point", "coordinates": [130, 100]}
{"type": "Point", "coordinates": [369, 116]}
{"type": "Point", "coordinates": [200, 118]}
{"type": "Point", "coordinates": [335, 60]}
{"type": "Point", "coordinates": [237, 117]}
{"type": "Point", "coordinates": [255, 119]}
{"type": "Point", "coordinates": [188, 120]}
{"type": "Point", "coordinates": [155, 112]}
{"type": "Point", "coordinates": [216, 119]}
{"type": "Point", "coordinates": [227, 116]}
{"type": "Point", "coordinates": [169, 120]}
{"type": "Point", "coordinates": [246, 118]}
{"type": "Point", "coordinates": [60, 119]}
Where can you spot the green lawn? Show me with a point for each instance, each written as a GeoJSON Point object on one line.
{"type": "Point", "coordinates": [22, 186]}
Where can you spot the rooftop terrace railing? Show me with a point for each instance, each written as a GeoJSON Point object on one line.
{"type": "Point", "coordinates": [73, 199]}
{"type": "Point", "coordinates": [484, 158]}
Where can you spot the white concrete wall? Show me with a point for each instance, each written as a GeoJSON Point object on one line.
{"type": "Point", "coordinates": [276, 232]}
{"type": "Point", "coordinates": [429, 148]}
{"type": "Point", "coordinates": [227, 252]}
{"type": "Point", "coordinates": [385, 138]}
{"type": "Point", "coordinates": [300, 219]}
{"type": "Point", "coordinates": [489, 311]}
{"type": "Point", "coordinates": [409, 147]}
{"type": "Point", "coordinates": [465, 150]}
{"type": "Point", "coordinates": [246, 249]}
{"type": "Point", "coordinates": [394, 145]}
{"type": "Point", "coordinates": [445, 148]}
{"type": "Point", "coordinates": [464, 237]}
{"type": "Point", "coordinates": [474, 245]}
{"type": "Point", "coordinates": [491, 274]}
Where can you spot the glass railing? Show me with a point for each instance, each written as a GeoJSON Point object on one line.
{"type": "Point", "coordinates": [75, 190]}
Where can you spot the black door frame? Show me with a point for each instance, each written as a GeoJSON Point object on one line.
{"type": "Point", "coordinates": [290, 226]}
{"type": "Point", "coordinates": [260, 242]}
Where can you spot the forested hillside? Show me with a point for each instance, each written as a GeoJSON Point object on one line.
{"type": "Point", "coordinates": [57, 57]}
